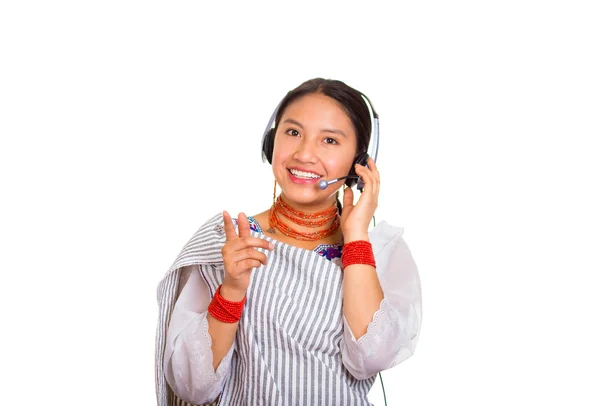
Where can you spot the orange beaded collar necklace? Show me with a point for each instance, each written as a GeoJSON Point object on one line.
{"type": "Point", "coordinates": [313, 220]}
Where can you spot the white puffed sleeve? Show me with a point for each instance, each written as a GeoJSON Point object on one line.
{"type": "Point", "coordinates": [188, 360]}
{"type": "Point", "coordinates": [393, 333]}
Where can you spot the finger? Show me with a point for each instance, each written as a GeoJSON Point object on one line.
{"type": "Point", "coordinates": [371, 163]}
{"type": "Point", "coordinates": [348, 200]}
{"type": "Point", "coordinates": [254, 242]}
{"type": "Point", "coordinates": [370, 172]}
{"type": "Point", "coordinates": [374, 176]}
{"type": "Point", "coordinates": [243, 225]}
{"type": "Point", "coordinates": [249, 264]}
{"type": "Point", "coordinates": [249, 253]}
{"type": "Point", "coordinates": [375, 171]}
{"type": "Point", "coordinates": [229, 227]}
{"type": "Point", "coordinates": [348, 197]}
{"type": "Point", "coordinates": [366, 176]}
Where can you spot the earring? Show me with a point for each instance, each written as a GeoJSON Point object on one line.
{"type": "Point", "coordinates": [274, 190]}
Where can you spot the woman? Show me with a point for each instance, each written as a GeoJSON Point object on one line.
{"type": "Point", "coordinates": [299, 304]}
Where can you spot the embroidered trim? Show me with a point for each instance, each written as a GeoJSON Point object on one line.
{"type": "Point", "coordinates": [329, 251]}
{"type": "Point", "coordinates": [371, 342]}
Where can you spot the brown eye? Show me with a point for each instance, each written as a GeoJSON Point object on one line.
{"type": "Point", "coordinates": [331, 141]}
{"type": "Point", "coordinates": [293, 132]}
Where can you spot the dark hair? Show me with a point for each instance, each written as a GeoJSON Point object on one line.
{"type": "Point", "coordinates": [348, 98]}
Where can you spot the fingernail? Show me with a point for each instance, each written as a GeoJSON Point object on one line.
{"type": "Point", "coordinates": [271, 245]}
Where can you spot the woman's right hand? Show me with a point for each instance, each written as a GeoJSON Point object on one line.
{"type": "Point", "coordinates": [240, 256]}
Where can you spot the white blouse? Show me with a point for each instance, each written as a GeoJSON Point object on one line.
{"type": "Point", "coordinates": [391, 336]}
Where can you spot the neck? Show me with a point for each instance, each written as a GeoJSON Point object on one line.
{"type": "Point", "coordinates": [303, 215]}
{"type": "Point", "coordinates": [310, 208]}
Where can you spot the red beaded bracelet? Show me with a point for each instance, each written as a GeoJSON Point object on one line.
{"type": "Point", "coordinates": [358, 252]}
{"type": "Point", "coordinates": [225, 310]}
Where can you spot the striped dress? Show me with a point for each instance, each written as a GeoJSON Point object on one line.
{"type": "Point", "coordinates": [287, 349]}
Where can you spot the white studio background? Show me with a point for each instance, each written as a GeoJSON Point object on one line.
{"type": "Point", "coordinates": [125, 125]}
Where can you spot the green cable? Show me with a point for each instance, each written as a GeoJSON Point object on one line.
{"type": "Point", "coordinates": [383, 387]}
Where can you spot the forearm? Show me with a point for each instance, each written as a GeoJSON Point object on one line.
{"type": "Point", "coordinates": [362, 293]}
{"type": "Point", "coordinates": [221, 333]}
{"type": "Point", "coordinates": [394, 327]}
{"type": "Point", "coordinates": [187, 363]}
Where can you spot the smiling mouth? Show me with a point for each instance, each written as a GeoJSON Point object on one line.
{"type": "Point", "coordinates": [304, 175]}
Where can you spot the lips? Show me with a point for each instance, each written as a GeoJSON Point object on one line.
{"type": "Point", "coordinates": [305, 173]}
{"type": "Point", "coordinates": [303, 181]}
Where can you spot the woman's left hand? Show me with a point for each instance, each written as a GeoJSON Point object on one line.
{"type": "Point", "coordinates": [355, 219]}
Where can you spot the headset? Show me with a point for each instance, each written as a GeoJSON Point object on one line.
{"type": "Point", "coordinates": [361, 158]}
{"type": "Point", "coordinates": [352, 178]}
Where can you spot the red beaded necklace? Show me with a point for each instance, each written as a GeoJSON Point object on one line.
{"type": "Point", "coordinates": [312, 220]}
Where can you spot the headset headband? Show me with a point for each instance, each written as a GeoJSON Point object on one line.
{"type": "Point", "coordinates": [373, 148]}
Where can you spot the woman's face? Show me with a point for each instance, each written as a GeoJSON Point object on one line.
{"type": "Point", "coordinates": [315, 140]}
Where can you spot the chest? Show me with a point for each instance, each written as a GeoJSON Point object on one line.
{"type": "Point", "coordinates": [295, 298]}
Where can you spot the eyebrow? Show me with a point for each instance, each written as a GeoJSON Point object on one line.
{"type": "Point", "coordinates": [327, 130]}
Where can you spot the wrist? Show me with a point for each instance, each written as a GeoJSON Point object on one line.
{"type": "Point", "coordinates": [226, 311]}
{"type": "Point", "coordinates": [232, 294]}
{"type": "Point", "coordinates": [358, 252]}
{"type": "Point", "coordinates": [350, 237]}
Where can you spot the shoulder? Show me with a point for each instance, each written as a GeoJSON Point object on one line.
{"type": "Point", "coordinates": [212, 227]}
{"type": "Point", "coordinates": [385, 236]}
{"type": "Point", "coordinates": [205, 245]}
{"type": "Point", "coordinates": [392, 253]}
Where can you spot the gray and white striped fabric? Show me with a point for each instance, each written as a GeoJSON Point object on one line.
{"type": "Point", "coordinates": [288, 341]}
{"type": "Point", "coordinates": [175, 401]}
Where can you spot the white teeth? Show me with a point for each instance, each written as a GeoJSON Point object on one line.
{"type": "Point", "coordinates": [306, 175]}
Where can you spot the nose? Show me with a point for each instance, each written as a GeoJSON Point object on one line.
{"type": "Point", "coordinates": [306, 151]}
